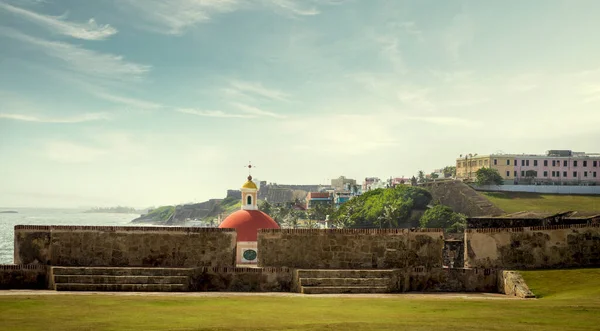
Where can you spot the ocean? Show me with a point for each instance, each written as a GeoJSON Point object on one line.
{"type": "Point", "coordinates": [31, 216]}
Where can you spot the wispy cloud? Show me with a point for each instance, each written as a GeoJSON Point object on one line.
{"type": "Point", "coordinates": [254, 90]}
{"type": "Point", "coordinates": [70, 152]}
{"type": "Point", "coordinates": [44, 119]}
{"type": "Point", "coordinates": [255, 111]}
{"type": "Point", "coordinates": [83, 60]}
{"type": "Point", "coordinates": [133, 102]}
{"type": "Point", "coordinates": [211, 113]}
{"type": "Point", "coordinates": [88, 31]}
{"type": "Point", "coordinates": [446, 121]}
{"type": "Point", "coordinates": [176, 16]}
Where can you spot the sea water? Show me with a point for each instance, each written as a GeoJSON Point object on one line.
{"type": "Point", "coordinates": [31, 216]}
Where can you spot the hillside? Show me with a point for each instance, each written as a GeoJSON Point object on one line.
{"type": "Point", "coordinates": [207, 211]}
{"type": "Point", "coordinates": [512, 202]}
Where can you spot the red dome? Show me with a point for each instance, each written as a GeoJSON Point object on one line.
{"type": "Point", "coordinates": [247, 223]}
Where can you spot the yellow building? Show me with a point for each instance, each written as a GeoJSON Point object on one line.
{"type": "Point", "coordinates": [467, 166]}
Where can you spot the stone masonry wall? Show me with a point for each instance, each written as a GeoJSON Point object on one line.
{"type": "Point", "coordinates": [23, 277]}
{"type": "Point", "coordinates": [124, 246]}
{"type": "Point", "coordinates": [350, 248]}
{"type": "Point", "coordinates": [241, 279]}
{"type": "Point", "coordinates": [452, 280]}
{"type": "Point", "coordinates": [556, 246]}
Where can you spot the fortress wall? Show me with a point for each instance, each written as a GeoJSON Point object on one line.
{"type": "Point", "coordinates": [350, 248]}
{"type": "Point", "coordinates": [452, 280]}
{"type": "Point", "coordinates": [238, 279]}
{"type": "Point", "coordinates": [124, 246]}
{"type": "Point", "coordinates": [556, 246]}
{"type": "Point", "coordinates": [20, 276]}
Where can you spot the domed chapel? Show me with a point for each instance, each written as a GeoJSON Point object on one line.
{"type": "Point", "coordinates": [247, 221]}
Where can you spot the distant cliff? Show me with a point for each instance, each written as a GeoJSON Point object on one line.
{"type": "Point", "coordinates": [208, 211]}
{"type": "Point", "coordinates": [119, 210]}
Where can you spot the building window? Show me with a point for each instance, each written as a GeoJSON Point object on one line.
{"type": "Point", "coordinates": [486, 162]}
{"type": "Point", "coordinates": [545, 163]}
{"type": "Point", "coordinates": [594, 174]}
{"type": "Point", "coordinates": [545, 173]}
{"type": "Point", "coordinates": [585, 174]}
{"type": "Point", "coordinates": [595, 164]}
{"type": "Point", "coordinates": [565, 174]}
{"type": "Point", "coordinates": [554, 163]}
{"type": "Point", "coordinates": [508, 174]}
{"type": "Point", "coordinates": [553, 173]}
{"type": "Point", "coordinates": [535, 163]}
{"type": "Point", "coordinates": [479, 162]}
{"type": "Point", "coordinates": [574, 163]}
{"type": "Point", "coordinates": [585, 163]}
{"type": "Point", "coordinates": [508, 162]}
{"type": "Point", "coordinates": [495, 161]}
{"type": "Point", "coordinates": [249, 200]}
{"type": "Point", "coordinates": [574, 174]}
{"type": "Point", "coordinates": [522, 163]}
{"type": "Point", "coordinates": [522, 173]}
{"type": "Point", "coordinates": [527, 163]}
{"type": "Point", "coordinates": [515, 162]}
{"type": "Point", "coordinates": [565, 163]}
{"type": "Point", "coordinates": [515, 173]}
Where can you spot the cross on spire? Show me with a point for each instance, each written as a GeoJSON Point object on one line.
{"type": "Point", "coordinates": [249, 166]}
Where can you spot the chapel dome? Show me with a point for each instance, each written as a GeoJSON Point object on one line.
{"type": "Point", "coordinates": [247, 223]}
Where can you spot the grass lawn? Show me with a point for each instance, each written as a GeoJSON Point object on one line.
{"type": "Point", "coordinates": [512, 202]}
{"type": "Point", "coordinates": [570, 301]}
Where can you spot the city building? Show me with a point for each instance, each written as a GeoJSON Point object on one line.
{"type": "Point", "coordinates": [342, 183]}
{"type": "Point", "coordinates": [313, 198]}
{"type": "Point", "coordinates": [556, 167]}
{"type": "Point", "coordinates": [372, 183]}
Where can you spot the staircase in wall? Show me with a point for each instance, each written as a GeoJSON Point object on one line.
{"type": "Point", "coordinates": [324, 281]}
{"type": "Point", "coordinates": [120, 279]}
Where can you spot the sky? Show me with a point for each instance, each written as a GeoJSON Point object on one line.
{"type": "Point", "coordinates": [153, 102]}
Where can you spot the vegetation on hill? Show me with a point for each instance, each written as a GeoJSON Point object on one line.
{"type": "Point", "coordinates": [488, 176]}
{"type": "Point", "coordinates": [158, 215]}
{"type": "Point", "coordinates": [440, 216]}
{"type": "Point", "coordinates": [223, 209]}
{"type": "Point", "coordinates": [569, 300]}
{"type": "Point", "coordinates": [512, 202]}
{"type": "Point", "coordinates": [383, 208]}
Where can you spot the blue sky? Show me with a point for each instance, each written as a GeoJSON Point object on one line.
{"type": "Point", "coordinates": [149, 102]}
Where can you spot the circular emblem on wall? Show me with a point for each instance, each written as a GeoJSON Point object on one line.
{"type": "Point", "coordinates": [249, 255]}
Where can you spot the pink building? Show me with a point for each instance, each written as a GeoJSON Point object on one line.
{"type": "Point", "coordinates": [557, 167]}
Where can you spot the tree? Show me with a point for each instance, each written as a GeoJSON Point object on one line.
{"type": "Point", "coordinates": [488, 176]}
{"type": "Point", "coordinates": [449, 171]}
{"type": "Point", "coordinates": [382, 208]}
{"type": "Point", "coordinates": [433, 175]}
{"type": "Point", "coordinates": [440, 216]}
{"type": "Point", "coordinates": [413, 181]}
{"type": "Point", "coordinates": [421, 176]}
{"type": "Point", "coordinates": [265, 207]}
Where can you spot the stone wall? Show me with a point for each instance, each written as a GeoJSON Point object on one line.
{"type": "Point", "coordinates": [557, 246]}
{"type": "Point", "coordinates": [452, 280]}
{"type": "Point", "coordinates": [350, 248]}
{"type": "Point", "coordinates": [242, 279]}
{"type": "Point", "coordinates": [124, 246]}
{"type": "Point", "coordinates": [23, 277]}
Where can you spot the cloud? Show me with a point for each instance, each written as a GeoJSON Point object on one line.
{"type": "Point", "coordinates": [458, 35]}
{"type": "Point", "coordinates": [255, 111]}
{"type": "Point", "coordinates": [211, 113]}
{"type": "Point", "coordinates": [82, 60]}
{"type": "Point", "coordinates": [254, 90]}
{"type": "Point", "coordinates": [446, 121]}
{"type": "Point", "coordinates": [88, 31]}
{"type": "Point", "coordinates": [133, 102]}
{"type": "Point", "coordinates": [176, 16]}
{"type": "Point", "coordinates": [72, 119]}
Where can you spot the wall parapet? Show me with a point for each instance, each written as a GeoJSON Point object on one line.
{"type": "Point", "coordinates": [532, 228]}
{"type": "Point", "coordinates": [120, 228]}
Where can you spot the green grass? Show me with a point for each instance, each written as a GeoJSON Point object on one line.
{"type": "Point", "coordinates": [570, 301]}
{"type": "Point", "coordinates": [512, 202]}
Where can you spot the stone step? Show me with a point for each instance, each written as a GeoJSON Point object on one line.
{"type": "Point", "coordinates": [344, 273]}
{"type": "Point", "coordinates": [104, 279]}
{"type": "Point", "coordinates": [121, 271]}
{"type": "Point", "coordinates": [343, 289]}
{"type": "Point", "coordinates": [344, 281]}
{"type": "Point", "coordinates": [121, 287]}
